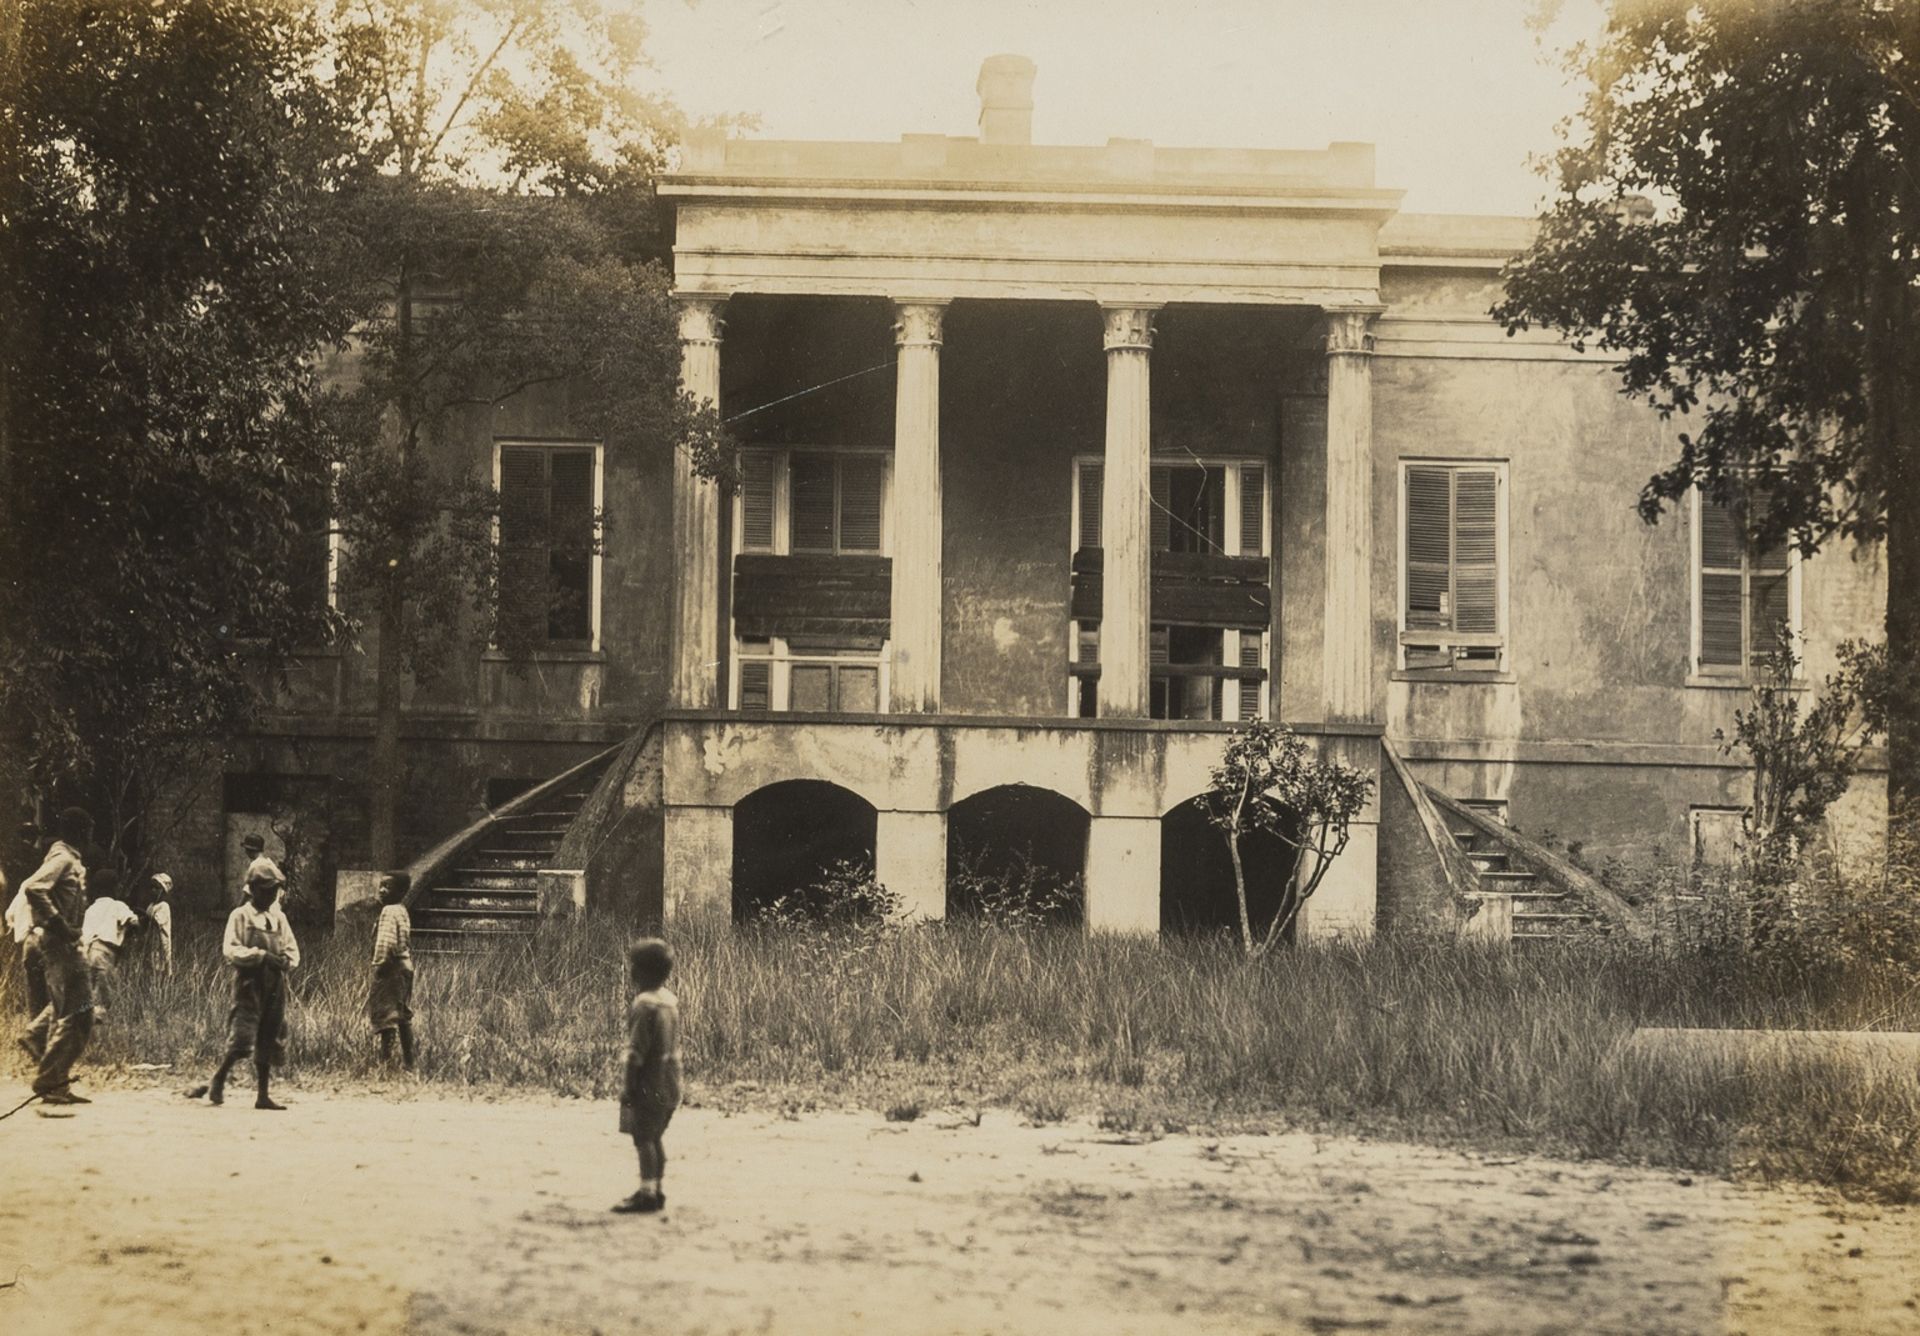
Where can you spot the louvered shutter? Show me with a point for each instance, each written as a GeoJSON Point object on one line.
{"type": "Point", "coordinates": [812, 503]}
{"type": "Point", "coordinates": [1722, 549]}
{"type": "Point", "coordinates": [1476, 555]}
{"type": "Point", "coordinates": [860, 490]}
{"type": "Point", "coordinates": [756, 692]}
{"type": "Point", "coordinates": [1253, 514]}
{"type": "Point", "coordinates": [1429, 549]}
{"type": "Point", "coordinates": [1091, 477]}
{"type": "Point", "coordinates": [1249, 690]}
{"type": "Point", "coordinates": [1157, 646]}
{"type": "Point", "coordinates": [756, 502]}
{"type": "Point", "coordinates": [1160, 527]}
{"type": "Point", "coordinates": [523, 542]}
{"type": "Point", "coordinates": [1723, 540]}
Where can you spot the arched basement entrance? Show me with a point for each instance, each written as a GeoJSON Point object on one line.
{"type": "Point", "coordinates": [1196, 875]}
{"type": "Point", "coordinates": [1017, 853]}
{"type": "Point", "coordinates": [787, 835]}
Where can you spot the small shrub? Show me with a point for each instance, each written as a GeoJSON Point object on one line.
{"type": "Point", "coordinates": [903, 1113]}
{"type": "Point", "coordinates": [1022, 896]}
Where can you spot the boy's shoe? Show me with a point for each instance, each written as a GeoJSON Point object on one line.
{"type": "Point", "coordinates": [640, 1203]}
{"type": "Point", "coordinates": [265, 1103]}
{"type": "Point", "coordinates": [63, 1097]}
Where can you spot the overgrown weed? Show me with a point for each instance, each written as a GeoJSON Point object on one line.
{"type": "Point", "coordinates": [1433, 1039]}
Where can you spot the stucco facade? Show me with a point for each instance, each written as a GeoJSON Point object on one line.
{"type": "Point", "coordinates": [972, 379]}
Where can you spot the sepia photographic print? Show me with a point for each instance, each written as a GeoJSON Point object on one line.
{"type": "Point", "coordinates": [1001, 666]}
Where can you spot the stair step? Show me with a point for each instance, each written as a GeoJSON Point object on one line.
{"type": "Point", "coordinates": [480, 899]}
{"type": "Point", "coordinates": [1487, 860]}
{"type": "Point", "coordinates": [532, 832]}
{"type": "Point", "coordinates": [1509, 876]}
{"type": "Point", "coordinates": [495, 876]}
{"type": "Point", "coordinates": [1538, 916]}
{"type": "Point", "coordinates": [462, 918]}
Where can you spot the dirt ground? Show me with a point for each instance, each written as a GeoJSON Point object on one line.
{"type": "Point", "coordinates": [144, 1213]}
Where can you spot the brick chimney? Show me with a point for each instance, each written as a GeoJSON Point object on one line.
{"type": "Point", "coordinates": [1006, 100]}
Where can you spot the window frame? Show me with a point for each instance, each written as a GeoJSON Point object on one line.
{"type": "Point", "coordinates": [552, 444]}
{"type": "Point", "coordinates": [783, 501]}
{"type": "Point", "coordinates": [777, 651]}
{"type": "Point", "coordinates": [1233, 483]}
{"type": "Point", "coordinates": [1500, 640]}
{"type": "Point", "coordinates": [1727, 674]}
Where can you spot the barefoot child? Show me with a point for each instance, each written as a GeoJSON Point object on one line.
{"type": "Point", "coordinates": [389, 1000]}
{"type": "Point", "coordinates": [259, 945]}
{"type": "Point", "coordinates": [652, 1086]}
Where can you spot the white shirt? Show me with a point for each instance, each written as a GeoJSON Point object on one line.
{"type": "Point", "coordinates": [107, 921]}
{"type": "Point", "coordinates": [160, 914]}
{"type": "Point", "coordinates": [19, 918]}
{"type": "Point", "coordinates": [250, 931]}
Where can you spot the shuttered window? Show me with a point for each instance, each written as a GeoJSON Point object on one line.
{"type": "Point", "coordinates": [1091, 477]}
{"type": "Point", "coordinates": [837, 502]}
{"type": "Point", "coordinates": [1744, 598]}
{"type": "Point", "coordinates": [1253, 511]}
{"type": "Point", "coordinates": [756, 501]}
{"type": "Point", "coordinates": [548, 535]}
{"type": "Point", "coordinates": [1452, 566]}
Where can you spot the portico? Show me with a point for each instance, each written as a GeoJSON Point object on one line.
{"type": "Point", "coordinates": [1017, 543]}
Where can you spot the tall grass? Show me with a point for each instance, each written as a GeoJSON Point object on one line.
{"type": "Point", "coordinates": [1437, 1040]}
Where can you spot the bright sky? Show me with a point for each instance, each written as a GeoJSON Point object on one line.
{"type": "Point", "coordinates": [1455, 93]}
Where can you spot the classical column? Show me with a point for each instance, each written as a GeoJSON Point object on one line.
{"type": "Point", "coordinates": [916, 608]}
{"type": "Point", "coordinates": [1125, 520]}
{"type": "Point", "coordinates": [1347, 676]}
{"type": "Point", "coordinates": [696, 521]}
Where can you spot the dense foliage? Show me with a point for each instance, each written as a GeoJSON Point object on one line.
{"type": "Point", "coordinates": [1734, 215]}
{"type": "Point", "coordinates": [162, 171]}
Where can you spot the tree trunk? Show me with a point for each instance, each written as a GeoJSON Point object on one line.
{"type": "Point", "coordinates": [1240, 889]}
{"type": "Point", "coordinates": [384, 776]}
{"type": "Point", "coordinates": [384, 768]}
{"type": "Point", "coordinates": [1903, 651]}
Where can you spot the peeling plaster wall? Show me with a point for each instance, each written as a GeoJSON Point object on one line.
{"type": "Point", "coordinates": [1600, 603]}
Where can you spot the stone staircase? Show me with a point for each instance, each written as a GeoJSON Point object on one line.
{"type": "Point", "coordinates": [490, 897]}
{"type": "Point", "coordinates": [1540, 912]}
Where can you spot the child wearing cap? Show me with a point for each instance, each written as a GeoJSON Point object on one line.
{"type": "Point", "coordinates": [160, 916]}
{"type": "Point", "coordinates": [650, 1091]}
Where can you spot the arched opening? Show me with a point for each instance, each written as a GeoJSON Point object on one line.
{"type": "Point", "coordinates": [1017, 855]}
{"type": "Point", "coordinates": [788, 836]}
{"type": "Point", "coordinates": [1196, 874]}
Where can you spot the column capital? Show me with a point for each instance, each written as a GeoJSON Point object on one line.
{"type": "Point", "coordinates": [1128, 326]}
{"type": "Point", "coordinates": [700, 318]}
{"type": "Point", "coordinates": [918, 322]}
{"type": "Point", "coordinates": [1350, 329]}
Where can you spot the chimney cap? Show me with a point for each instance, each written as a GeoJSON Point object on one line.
{"type": "Point", "coordinates": [1008, 79]}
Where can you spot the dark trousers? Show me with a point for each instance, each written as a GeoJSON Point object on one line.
{"type": "Point", "coordinates": [61, 1029]}
{"type": "Point", "coordinates": [36, 976]}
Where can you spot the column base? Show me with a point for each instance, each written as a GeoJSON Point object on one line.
{"type": "Point", "coordinates": [1123, 874]}
{"type": "Point", "coordinates": [910, 859]}
{"type": "Point", "coordinates": [1347, 902]}
{"type": "Point", "coordinates": [698, 872]}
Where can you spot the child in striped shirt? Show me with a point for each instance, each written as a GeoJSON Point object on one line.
{"type": "Point", "coordinates": [390, 998]}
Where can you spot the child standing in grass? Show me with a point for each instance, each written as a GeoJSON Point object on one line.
{"type": "Point", "coordinates": [260, 947]}
{"type": "Point", "coordinates": [390, 998]}
{"type": "Point", "coordinates": [651, 1090]}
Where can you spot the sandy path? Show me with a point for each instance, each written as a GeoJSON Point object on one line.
{"type": "Point", "coordinates": [350, 1213]}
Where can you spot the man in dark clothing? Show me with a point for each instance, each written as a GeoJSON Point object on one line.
{"type": "Point", "coordinates": [57, 895]}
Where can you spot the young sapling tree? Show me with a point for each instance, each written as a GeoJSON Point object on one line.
{"type": "Point", "coordinates": [1269, 781]}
